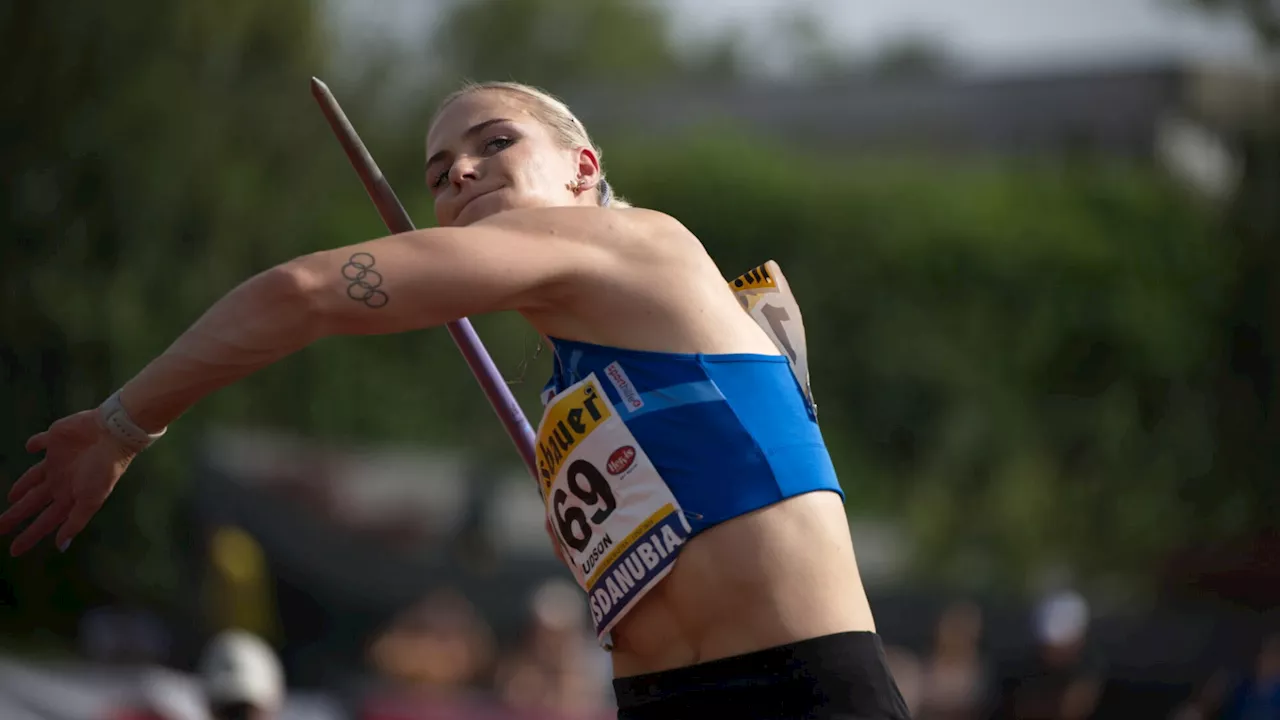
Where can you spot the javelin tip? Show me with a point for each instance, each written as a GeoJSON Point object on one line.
{"type": "Point", "coordinates": [318, 86]}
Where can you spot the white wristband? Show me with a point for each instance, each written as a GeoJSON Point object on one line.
{"type": "Point", "coordinates": [122, 427]}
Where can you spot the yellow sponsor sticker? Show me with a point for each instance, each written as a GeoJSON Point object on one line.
{"type": "Point", "coordinates": [570, 417]}
{"type": "Point", "coordinates": [755, 279]}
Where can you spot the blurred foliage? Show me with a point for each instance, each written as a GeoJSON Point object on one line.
{"type": "Point", "coordinates": [1013, 356]}
{"type": "Point", "coordinates": [1262, 15]}
{"type": "Point", "coordinates": [1246, 382]}
{"type": "Point", "coordinates": [555, 43]}
{"type": "Point", "coordinates": [154, 158]}
{"type": "Point", "coordinates": [913, 57]}
{"type": "Point", "coordinates": [1030, 363]}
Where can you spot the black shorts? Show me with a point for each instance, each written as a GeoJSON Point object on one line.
{"type": "Point", "coordinates": [835, 677]}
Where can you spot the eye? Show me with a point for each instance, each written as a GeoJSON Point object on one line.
{"type": "Point", "coordinates": [439, 180]}
{"type": "Point", "coordinates": [498, 144]}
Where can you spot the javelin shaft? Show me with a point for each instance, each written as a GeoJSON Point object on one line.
{"type": "Point", "coordinates": [398, 221]}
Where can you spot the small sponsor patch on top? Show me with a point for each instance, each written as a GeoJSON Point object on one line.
{"type": "Point", "coordinates": [754, 279]}
{"type": "Point", "coordinates": [630, 397]}
{"type": "Point", "coordinates": [621, 459]}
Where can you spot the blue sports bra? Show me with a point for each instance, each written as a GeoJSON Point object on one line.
{"type": "Point", "coordinates": [728, 433]}
{"type": "Point", "coordinates": [639, 451]}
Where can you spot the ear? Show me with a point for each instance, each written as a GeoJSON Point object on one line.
{"type": "Point", "coordinates": [588, 165]}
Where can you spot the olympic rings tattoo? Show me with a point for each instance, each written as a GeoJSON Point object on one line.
{"type": "Point", "coordinates": [364, 281]}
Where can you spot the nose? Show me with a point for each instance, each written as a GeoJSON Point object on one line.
{"type": "Point", "coordinates": [464, 168]}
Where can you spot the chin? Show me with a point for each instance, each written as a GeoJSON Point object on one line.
{"type": "Point", "coordinates": [495, 202]}
{"type": "Point", "coordinates": [489, 204]}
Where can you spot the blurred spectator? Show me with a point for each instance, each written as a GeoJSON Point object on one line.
{"type": "Point", "coordinates": [433, 653]}
{"type": "Point", "coordinates": [558, 669]}
{"type": "Point", "coordinates": [908, 675]}
{"type": "Point", "coordinates": [163, 695]}
{"type": "Point", "coordinates": [238, 583]}
{"type": "Point", "coordinates": [954, 679]}
{"type": "Point", "coordinates": [117, 634]}
{"type": "Point", "coordinates": [1060, 681]}
{"type": "Point", "coordinates": [242, 678]}
{"type": "Point", "coordinates": [1258, 696]}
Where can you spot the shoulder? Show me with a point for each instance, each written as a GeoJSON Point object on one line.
{"type": "Point", "coordinates": [614, 247]}
{"type": "Point", "coordinates": [615, 228]}
{"type": "Point", "coordinates": [608, 253]}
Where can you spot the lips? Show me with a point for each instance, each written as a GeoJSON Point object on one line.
{"type": "Point", "coordinates": [473, 198]}
{"type": "Point", "coordinates": [461, 218]}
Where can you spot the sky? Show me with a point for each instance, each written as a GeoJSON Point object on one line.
{"type": "Point", "coordinates": [996, 34]}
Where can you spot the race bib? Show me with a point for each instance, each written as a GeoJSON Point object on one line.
{"type": "Point", "coordinates": [618, 522]}
{"type": "Point", "coordinates": [766, 296]}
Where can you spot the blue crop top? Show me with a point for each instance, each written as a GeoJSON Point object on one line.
{"type": "Point", "coordinates": [639, 451]}
{"type": "Point", "coordinates": [729, 433]}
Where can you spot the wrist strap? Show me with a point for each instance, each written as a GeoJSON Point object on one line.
{"type": "Point", "coordinates": [122, 427]}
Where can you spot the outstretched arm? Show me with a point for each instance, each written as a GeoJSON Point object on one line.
{"type": "Point", "coordinates": [393, 284]}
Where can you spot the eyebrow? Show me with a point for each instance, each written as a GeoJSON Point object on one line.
{"type": "Point", "coordinates": [471, 132]}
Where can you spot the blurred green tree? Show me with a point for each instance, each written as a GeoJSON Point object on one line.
{"type": "Point", "coordinates": [912, 57]}
{"type": "Point", "coordinates": [157, 155]}
{"type": "Point", "coordinates": [1012, 357]}
{"type": "Point", "coordinates": [556, 43]}
{"type": "Point", "coordinates": [1247, 367]}
{"type": "Point", "coordinates": [1262, 15]}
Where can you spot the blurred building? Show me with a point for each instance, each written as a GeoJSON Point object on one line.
{"type": "Point", "coordinates": [1180, 115]}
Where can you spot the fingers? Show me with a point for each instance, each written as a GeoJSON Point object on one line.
{"type": "Point", "coordinates": [79, 516]}
{"type": "Point", "coordinates": [29, 505]}
{"type": "Point", "coordinates": [31, 478]}
{"type": "Point", "coordinates": [38, 442]}
{"type": "Point", "coordinates": [43, 525]}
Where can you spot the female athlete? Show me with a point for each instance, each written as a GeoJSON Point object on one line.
{"type": "Point", "coordinates": [686, 481]}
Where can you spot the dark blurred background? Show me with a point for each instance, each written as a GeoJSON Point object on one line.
{"type": "Point", "coordinates": [1036, 248]}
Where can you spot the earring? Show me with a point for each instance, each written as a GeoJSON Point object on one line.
{"type": "Point", "coordinates": [576, 185]}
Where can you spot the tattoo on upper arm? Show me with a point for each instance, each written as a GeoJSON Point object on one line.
{"type": "Point", "coordinates": [364, 281]}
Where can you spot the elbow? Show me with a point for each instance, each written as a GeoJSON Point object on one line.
{"type": "Point", "coordinates": [293, 290]}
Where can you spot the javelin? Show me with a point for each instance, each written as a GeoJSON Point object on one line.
{"type": "Point", "coordinates": [397, 221]}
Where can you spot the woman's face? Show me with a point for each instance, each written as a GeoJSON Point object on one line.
{"type": "Point", "coordinates": [486, 153]}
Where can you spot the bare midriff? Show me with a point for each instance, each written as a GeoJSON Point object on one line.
{"type": "Point", "coordinates": [778, 575]}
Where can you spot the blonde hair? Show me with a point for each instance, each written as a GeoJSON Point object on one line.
{"type": "Point", "coordinates": [556, 116]}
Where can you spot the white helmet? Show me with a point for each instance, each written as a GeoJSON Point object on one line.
{"type": "Point", "coordinates": [239, 667]}
{"type": "Point", "coordinates": [1062, 618]}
